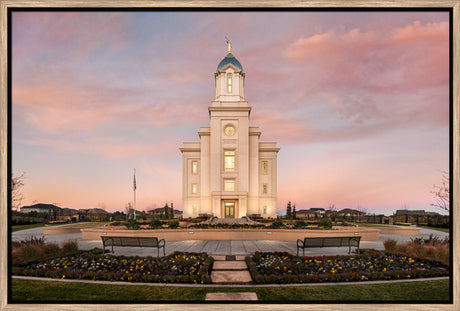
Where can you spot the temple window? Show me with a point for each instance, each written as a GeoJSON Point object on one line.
{"type": "Point", "coordinates": [229, 185]}
{"type": "Point", "coordinates": [229, 161]}
{"type": "Point", "coordinates": [229, 83]}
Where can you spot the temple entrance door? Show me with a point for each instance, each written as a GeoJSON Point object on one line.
{"type": "Point", "coordinates": [229, 209]}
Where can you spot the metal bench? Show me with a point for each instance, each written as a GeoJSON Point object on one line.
{"type": "Point", "coordinates": [133, 242]}
{"type": "Point", "coordinates": [328, 242]}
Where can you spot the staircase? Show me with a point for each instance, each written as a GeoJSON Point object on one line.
{"type": "Point", "coordinates": [230, 221]}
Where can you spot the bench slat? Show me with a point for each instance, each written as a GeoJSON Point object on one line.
{"type": "Point", "coordinates": [312, 242]}
{"type": "Point", "coordinates": [133, 242]}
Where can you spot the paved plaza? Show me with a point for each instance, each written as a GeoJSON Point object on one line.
{"type": "Point", "coordinates": [224, 247]}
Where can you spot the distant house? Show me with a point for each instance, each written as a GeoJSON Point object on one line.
{"type": "Point", "coordinates": [159, 213]}
{"type": "Point", "coordinates": [93, 214]}
{"type": "Point", "coordinates": [349, 213]}
{"type": "Point", "coordinates": [40, 208]}
{"type": "Point", "coordinates": [416, 216]}
{"type": "Point", "coordinates": [55, 212]}
{"type": "Point", "coordinates": [312, 213]}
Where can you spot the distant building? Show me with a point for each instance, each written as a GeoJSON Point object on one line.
{"type": "Point", "coordinates": [351, 214]}
{"type": "Point", "coordinates": [93, 214]}
{"type": "Point", "coordinates": [159, 213]}
{"type": "Point", "coordinates": [40, 208]}
{"type": "Point", "coordinates": [307, 214]}
{"type": "Point", "coordinates": [417, 217]}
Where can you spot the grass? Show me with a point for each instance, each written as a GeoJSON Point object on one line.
{"type": "Point", "coordinates": [374, 225]}
{"type": "Point", "coordinates": [23, 227]}
{"type": "Point", "coordinates": [87, 224]}
{"type": "Point", "coordinates": [75, 225]}
{"type": "Point", "coordinates": [447, 230]}
{"type": "Point", "coordinates": [53, 291]}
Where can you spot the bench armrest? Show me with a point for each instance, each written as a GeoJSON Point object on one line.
{"type": "Point", "coordinates": [160, 244]}
{"type": "Point", "coordinates": [302, 243]}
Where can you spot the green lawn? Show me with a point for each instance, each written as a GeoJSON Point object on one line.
{"type": "Point", "coordinates": [447, 230]}
{"type": "Point", "coordinates": [374, 225]}
{"type": "Point", "coordinates": [23, 227]}
{"type": "Point", "coordinates": [43, 291]}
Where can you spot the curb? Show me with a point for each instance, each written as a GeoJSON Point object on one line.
{"type": "Point", "coordinates": [228, 285]}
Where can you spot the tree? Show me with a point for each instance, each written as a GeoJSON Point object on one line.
{"type": "Point", "coordinates": [166, 211]}
{"type": "Point", "coordinates": [288, 210]}
{"type": "Point", "coordinates": [128, 207]}
{"type": "Point", "coordinates": [332, 211]}
{"type": "Point", "coordinates": [16, 193]}
{"type": "Point", "coordinates": [441, 193]}
{"type": "Point", "coordinates": [294, 214]}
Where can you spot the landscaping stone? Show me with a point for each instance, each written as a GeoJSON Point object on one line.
{"type": "Point", "coordinates": [230, 277]}
{"type": "Point", "coordinates": [229, 265]}
{"type": "Point", "coordinates": [231, 296]}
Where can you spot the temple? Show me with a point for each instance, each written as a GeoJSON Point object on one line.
{"type": "Point", "coordinates": [229, 173]}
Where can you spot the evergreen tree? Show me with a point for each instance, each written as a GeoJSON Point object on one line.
{"type": "Point", "coordinates": [288, 210]}
{"type": "Point", "coordinates": [294, 215]}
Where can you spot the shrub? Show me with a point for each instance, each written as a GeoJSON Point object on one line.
{"type": "Point", "coordinates": [70, 248]}
{"type": "Point", "coordinates": [173, 224]}
{"type": "Point", "coordinates": [403, 223]}
{"type": "Point", "coordinates": [155, 224]}
{"type": "Point", "coordinates": [116, 223]}
{"type": "Point", "coordinates": [51, 250]}
{"type": "Point", "coordinates": [132, 224]}
{"type": "Point", "coordinates": [277, 224]}
{"type": "Point", "coordinates": [29, 253]}
{"type": "Point", "coordinates": [390, 245]}
{"type": "Point", "coordinates": [300, 224]}
{"type": "Point", "coordinates": [443, 254]}
{"type": "Point", "coordinates": [326, 223]}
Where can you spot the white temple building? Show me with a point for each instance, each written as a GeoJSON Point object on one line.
{"type": "Point", "coordinates": [229, 173]}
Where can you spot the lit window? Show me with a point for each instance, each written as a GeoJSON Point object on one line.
{"type": "Point", "coordinates": [229, 184]}
{"type": "Point", "coordinates": [264, 209]}
{"type": "Point", "coordinates": [264, 167]}
{"type": "Point", "coordinates": [229, 161]}
{"type": "Point", "coordinates": [229, 83]}
{"type": "Point", "coordinates": [194, 208]}
{"type": "Point", "coordinates": [194, 188]}
{"type": "Point", "coordinates": [194, 167]}
{"type": "Point", "coordinates": [264, 188]}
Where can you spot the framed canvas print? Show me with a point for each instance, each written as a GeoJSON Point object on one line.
{"type": "Point", "coordinates": [201, 155]}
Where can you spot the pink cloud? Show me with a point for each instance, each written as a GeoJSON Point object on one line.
{"type": "Point", "coordinates": [74, 34]}
{"type": "Point", "coordinates": [409, 57]}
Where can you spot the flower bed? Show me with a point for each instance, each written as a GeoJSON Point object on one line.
{"type": "Point", "coordinates": [176, 268]}
{"type": "Point", "coordinates": [369, 265]}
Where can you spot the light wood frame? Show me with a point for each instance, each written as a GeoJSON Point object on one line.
{"type": "Point", "coordinates": [5, 4]}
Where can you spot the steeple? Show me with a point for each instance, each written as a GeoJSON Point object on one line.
{"type": "Point", "coordinates": [229, 78]}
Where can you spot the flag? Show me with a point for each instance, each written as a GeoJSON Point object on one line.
{"type": "Point", "coordinates": [134, 183]}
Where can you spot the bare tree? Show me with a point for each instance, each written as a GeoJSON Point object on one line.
{"type": "Point", "coordinates": [441, 193]}
{"type": "Point", "coordinates": [128, 208]}
{"type": "Point", "coordinates": [332, 211]}
{"type": "Point", "coordinates": [16, 192]}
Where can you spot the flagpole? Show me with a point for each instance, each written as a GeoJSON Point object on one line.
{"type": "Point", "coordinates": [134, 194]}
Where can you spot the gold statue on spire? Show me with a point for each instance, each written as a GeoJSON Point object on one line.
{"type": "Point", "coordinates": [229, 45]}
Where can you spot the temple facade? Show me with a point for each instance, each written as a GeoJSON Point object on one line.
{"type": "Point", "coordinates": [229, 173]}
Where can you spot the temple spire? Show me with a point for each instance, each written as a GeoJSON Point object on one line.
{"type": "Point", "coordinates": [229, 45]}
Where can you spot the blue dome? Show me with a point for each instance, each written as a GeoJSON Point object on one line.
{"type": "Point", "coordinates": [229, 59]}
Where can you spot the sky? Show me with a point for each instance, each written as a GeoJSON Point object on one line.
{"type": "Point", "coordinates": [358, 102]}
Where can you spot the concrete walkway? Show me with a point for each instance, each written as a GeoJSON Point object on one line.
{"type": "Point", "coordinates": [227, 247]}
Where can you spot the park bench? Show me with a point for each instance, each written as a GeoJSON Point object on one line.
{"type": "Point", "coordinates": [328, 242]}
{"type": "Point", "coordinates": [133, 242]}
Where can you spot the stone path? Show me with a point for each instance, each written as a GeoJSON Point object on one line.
{"type": "Point", "coordinates": [230, 270]}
